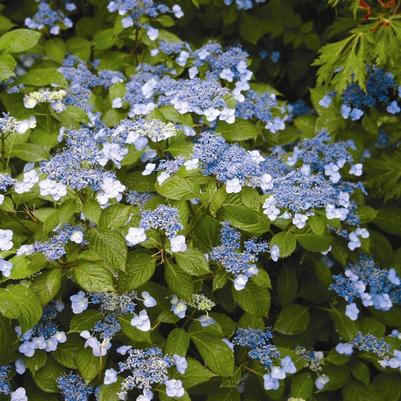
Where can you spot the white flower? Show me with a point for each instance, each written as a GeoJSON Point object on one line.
{"type": "Point", "coordinates": [79, 302]}
{"type": "Point", "coordinates": [299, 220]}
{"type": "Point", "coordinates": [1, 199]}
{"type": "Point", "coordinates": [113, 152]}
{"type": "Point", "coordinates": [135, 236]}
{"type": "Point", "coordinates": [227, 74]}
{"type": "Point", "coordinates": [29, 180]}
{"type": "Point", "coordinates": [149, 301]}
{"type": "Point", "coordinates": [211, 114]}
{"type": "Point", "coordinates": [110, 189]}
{"type": "Point", "coordinates": [6, 242]}
{"type": "Point", "coordinates": [356, 169]}
{"type": "Point", "coordinates": [141, 321]}
{"type": "Point", "coordinates": [178, 244]}
{"type": "Point", "coordinates": [127, 22]}
{"type": "Point", "coordinates": [147, 88]}
{"type": "Point", "coordinates": [163, 177]}
{"type": "Point", "coordinates": [5, 267]}
{"type": "Point", "coordinates": [240, 282]}
{"type": "Point", "coordinates": [274, 253]}
{"type": "Point", "coordinates": [77, 236]}
{"type": "Point", "coordinates": [182, 58]}
{"type": "Point", "coordinates": [193, 72]}
{"type": "Point", "coordinates": [110, 376]}
{"type": "Point", "coordinates": [146, 396]}
{"type": "Point", "coordinates": [55, 189]}
{"type": "Point", "coordinates": [25, 125]}
{"type": "Point", "coordinates": [149, 169]}
{"type": "Point", "coordinates": [227, 115]}
{"type": "Point", "coordinates": [25, 250]}
{"type": "Point", "coordinates": [178, 306]}
{"type": "Point", "coordinates": [321, 381]}
{"type": "Point", "coordinates": [344, 348]}
{"type": "Point", "coordinates": [117, 103]}
{"type": "Point", "coordinates": [98, 348]}
{"type": "Point", "coordinates": [174, 388]}
{"type": "Point", "coordinates": [270, 383]}
{"type": "Point", "coordinates": [352, 311]}
{"type": "Point", "coordinates": [233, 186]}
{"type": "Point", "coordinates": [191, 164]}
{"type": "Point", "coordinates": [20, 367]}
{"type": "Point", "coordinates": [180, 363]}
{"type": "Point", "coordinates": [177, 10]}
{"type": "Point", "coordinates": [152, 33]}
{"type": "Point", "coordinates": [19, 395]}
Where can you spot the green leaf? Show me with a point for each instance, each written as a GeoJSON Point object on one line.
{"type": "Point", "coordinates": [178, 281]}
{"type": "Point", "coordinates": [93, 277]}
{"type": "Point", "coordinates": [84, 321]}
{"type": "Point", "coordinates": [66, 353]}
{"type": "Point", "coordinates": [36, 362]}
{"type": "Point", "coordinates": [178, 188]}
{"type": "Point", "coordinates": [287, 286]}
{"type": "Point", "coordinates": [192, 261]}
{"type": "Point", "coordinates": [21, 303]}
{"type": "Point", "coordinates": [19, 40]}
{"type": "Point", "coordinates": [338, 375]}
{"type": "Point", "coordinates": [88, 365]}
{"type": "Point", "coordinates": [110, 392]}
{"type": "Point", "coordinates": [47, 285]}
{"type": "Point", "coordinates": [110, 245]}
{"type": "Point", "coordinates": [345, 327]}
{"type": "Point", "coordinates": [225, 394]}
{"type": "Point", "coordinates": [7, 66]}
{"type": "Point", "coordinates": [216, 354]}
{"type": "Point", "coordinates": [140, 268]}
{"type": "Point", "coordinates": [360, 371]}
{"type": "Point", "coordinates": [286, 242]}
{"type": "Point", "coordinates": [196, 374]}
{"type": "Point", "coordinates": [8, 341]}
{"type": "Point", "coordinates": [55, 49]}
{"type": "Point", "coordinates": [302, 385]}
{"type": "Point", "coordinates": [293, 319]}
{"type": "Point", "coordinates": [355, 391]}
{"type": "Point", "coordinates": [240, 130]}
{"type": "Point", "coordinates": [43, 77]}
{"type": "Point", "coordinates": [114, 216]}
{"type": "Point", "coordinates": [46, 378]}
{"type": "Point", "coordinates": [29, 152]}
{"type": "Point", "coordinates": [389, 220]}
{"type": "Point", "coordinates": [253, 299]}
{"type": "Point", "coordinates": [177, 342]}
{"type": "Point", "coordinates": [246, 219]}
{"type": "Point", "coordinates": [313, 243]}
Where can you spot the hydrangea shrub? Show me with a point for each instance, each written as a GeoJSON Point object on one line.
{"type": "Point", "coordinates": [200, 200]}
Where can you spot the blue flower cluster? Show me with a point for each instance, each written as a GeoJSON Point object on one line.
{"type": "Point", "coordinates": [365, 343]}
{"type": "Point", "coordinates": [52, 18]}
{"type": "Point", "coordinates": [5, 382]}
{"type": "Point", "coordinates": [54, 249]}
{"type": "Point", "coordinates": [244, 4]}
{"type": "Point", "coordinates": [366, 281]}
{"type": "Point", "coordinates": [135, 11]}
{"type": "Point", "coordinates": [112, 306]}
{"type": "Point", "coordinates": [5, 181]}
{"type": "Point", "coordinates": [45, 335]}
{"type": "Point", "coordinates": [262, 350]}
{"type": "Point", "coordinates": [164, 218]}
{"type": "Point", "coordinates": [73, 387]}
{"type": "Point", "coordinates": [81, 81]}
{"type": "Point", "coordinates": [145, 368]}
{"type": "Point", "coordinates": [229, 255]}
{"type": "Point", "coordinates": [230, 164]}
{"type": "Point", "coordinates": [381, 90]}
